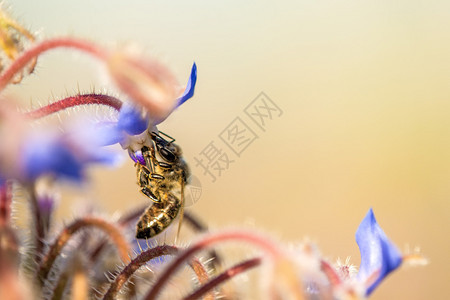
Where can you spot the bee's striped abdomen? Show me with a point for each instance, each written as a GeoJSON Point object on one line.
{"type": "Point", "coordinates": [158, 217]}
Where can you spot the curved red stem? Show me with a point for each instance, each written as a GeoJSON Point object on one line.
{"type": "Point", "coordinates": [134, 265]}
{"type": "Point", "coordinates": [44, 46]}
{"type": "Point", "coordinates": [228, 274]}
{"type": "Point", "coordinates": [69, 231]}
{"type": "Point", "coordinates": [263, 243]}
{"type": "Point", "coordinates": [5, 203]}
{"type": "Point", "coordinates": [75, 101]}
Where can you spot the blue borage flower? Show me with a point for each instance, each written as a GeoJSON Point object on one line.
{"type": "Point", "coordinates": [27, 153]}
{"type": "Point", "coordinates": [63, 155]}
{"type": "Point", "coordinates": [48, 154]}
{"type": "Point", "coordinates": [379, 256]}
{"type": "Point", "coordinates": [132, 123]}
{"type": "Point", "coordinates": [51, 155]}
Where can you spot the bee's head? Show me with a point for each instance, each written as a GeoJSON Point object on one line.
{"type": "Point", "coordinates": [168, 151]}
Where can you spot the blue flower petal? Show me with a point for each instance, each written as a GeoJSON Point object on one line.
{"type": "Point", "coordinates": [102, 156]}
{"type": "Point", "coordinates": [63, 155]}
{"type": "Point", "coordinates": [50, 156]}
{"type": "Point", "coordinates": [379, 256]}
{"type": "Point", "coordinates": [108, 133]}
{"type": "Point", "coordinates": [190, 87]}
{"type": "Point", "coordinates": [131, 120]}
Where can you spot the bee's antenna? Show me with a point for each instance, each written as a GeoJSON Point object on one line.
{"type": "Point", "coordinates": [166, 135]}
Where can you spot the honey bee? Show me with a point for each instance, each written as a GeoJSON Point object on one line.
{"type": "Point", "coordinates": [161, 176]}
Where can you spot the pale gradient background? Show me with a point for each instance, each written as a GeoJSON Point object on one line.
{"type": "Point", "coordinates": [365, 90]}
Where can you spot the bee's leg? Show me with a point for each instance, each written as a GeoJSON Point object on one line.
{"type": "Point", "coordinates": [149, 158]}
{"type": "Point", "coordinates": [145, 179]}
{"type": "Point", "coordinates": [181, 213]}
{"type": "Point", "coordinates": [151, 162]}
{"type": "Point", "coordinates": [147, 192]}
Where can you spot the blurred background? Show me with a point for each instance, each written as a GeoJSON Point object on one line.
{"type": "Point", "coordinates": [362, 91]}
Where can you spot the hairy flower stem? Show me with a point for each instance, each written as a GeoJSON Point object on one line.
{"type": "Point", "coordinates": [202, 275]}
{"type": "Point", "coordinates": [39, 48]}
{"type": "Point", "coordinates": [226, 275]}
{"type": "Point", "coordinates": [274, 253]}
{"type": "Point", "coordinates": [55, 249]}
{"type": "Point", "coordinates": [5, 203]}
{"type": "Point", "coordinates": [38, 224]}
{"type": "Point", "coordinates": [142, 259]}
{"type": "Point", "coordinates": [123, 221]}
{"type": "Point", "coordinates": [73, 101]}
{"type": "Point", "coordinates": [134, 265]}
{"type": "Point", "coordinates": [60, 286]}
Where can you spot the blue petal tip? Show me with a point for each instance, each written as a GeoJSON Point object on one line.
{"type": "Point", "coordinates": [379, 256]}
{"type": "Point", "coordinates": [190, 87]}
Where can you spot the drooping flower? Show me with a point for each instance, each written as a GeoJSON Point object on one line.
{"type": "Point", "coordinates": [379, 256]}
{"type": "Point", "coordinates": [133, 122]}
{"type": "Point", "coordinates": [146, 82]}
{"type": "Point", "coordinates": [28, 153]}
